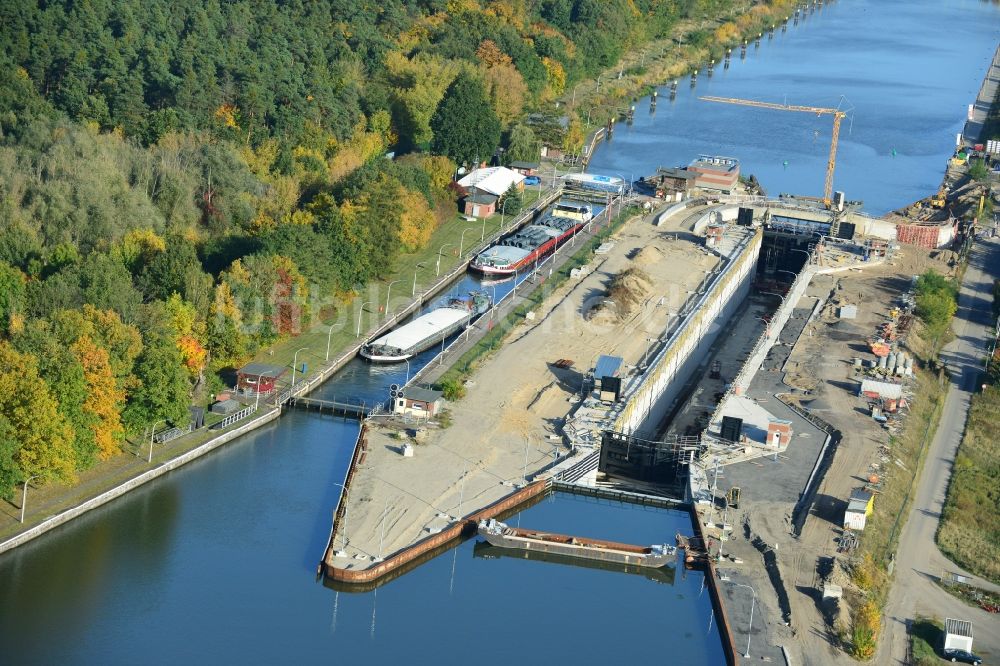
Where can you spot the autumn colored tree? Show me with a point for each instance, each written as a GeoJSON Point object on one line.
{"type": "Point", "coordinates": [416, 221]}
{"type": "Point", "coordinates": [104, 400]}
{"type": "Point", "coordinates": [227, 341]}
{"type": "Point", "coordinates": [505, 86]}
{"type": "Point", "coordinates": [189, 332]}
{"type": "Point", "coordinates": [38, 440]}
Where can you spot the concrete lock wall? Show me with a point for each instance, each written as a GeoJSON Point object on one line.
{"type": "Point", "coordinates": [772, 332]}
{"type": "Point", "coordinates": [689, 344]}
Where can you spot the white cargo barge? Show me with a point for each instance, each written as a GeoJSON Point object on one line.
{"type": "Point", "coordinates": [423, 332]}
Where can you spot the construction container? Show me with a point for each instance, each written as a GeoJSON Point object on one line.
{"type": "Point", "coordinates": [882, 362]}
{"type": "Point", "coordinates": [957, 635]}
{"type": "Point", "coordinates": [890, 362]}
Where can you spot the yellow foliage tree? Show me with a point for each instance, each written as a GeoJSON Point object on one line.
{"type": "Point", "coordinates": [417, 220]}
{"type": "Point", "coordinates": [490, 55]}
{"type": "Point", "coordinates": [140, 246]}
{"type": "Point", "coordinates": [43, 439]}
{"type": "Point", "coordinates": [573, 141]}
{"type": "Point", "coordinates": [104, 399]}
{"type": "Point", "coordinates": [555, 76]}
{"type": "Point", "coordinates": [506, 91]}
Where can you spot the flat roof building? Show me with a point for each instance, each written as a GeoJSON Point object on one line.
{"type": "Point", "coordinates": [716, 173]}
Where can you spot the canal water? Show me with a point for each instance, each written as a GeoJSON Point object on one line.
{"type": "Point", "coordinates": [906, 70]}
{"type": "Point", "coordinates": [215, 562]}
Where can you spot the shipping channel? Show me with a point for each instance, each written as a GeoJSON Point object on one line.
{"type": "Point", "coordinates": [215, 562]}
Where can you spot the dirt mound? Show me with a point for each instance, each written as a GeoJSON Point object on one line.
{"type": "Point", "coordinates": [628, 289]}
{"type": "Point", "coordinates": [648, 255]}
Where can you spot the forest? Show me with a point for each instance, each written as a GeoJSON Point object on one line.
{"type": "Point", "coordinates": [182, 183]}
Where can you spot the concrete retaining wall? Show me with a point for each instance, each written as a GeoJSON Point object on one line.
{"type": "Point", "coordinates": [136, 481]}
{"type": "Point", "coordinates": [690, 342]}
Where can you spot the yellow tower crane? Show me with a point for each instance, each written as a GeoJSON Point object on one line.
{"type": "Point", "coordinates": [837, 114]}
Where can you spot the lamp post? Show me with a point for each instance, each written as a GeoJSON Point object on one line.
{"type": "Point", "coordinates": [646, 352]}
{"type": "Point", "coordinates": [361, 311]}
{"type": "Point", "coordinates": [328, 334]}
{"type": "Point", "coordinates": [438, 267]}
{"type": "Point", "coordinates": [792, 273]}
{"type": "Point", "coordinates": [461, 244]}
{"type": "Point", "coordinates": [503, 211]}
{"type": "Point", "coordinates": [482, 237]}
{"type": "Point", "coordinates": [24, 494]}
{"type": "Point", "coordinates": [388, 292]}
{"type": "Point", "coordinates": [152, 432]}
{"type": "Point", "coordinates": [416, 268]}
{"type": "Point", "coordinates": [808, 255]}
{"type": "Point", "coordinates": [407, 371]}
{"type": "Point", "coordinates": [295, 363]}
{"type": "Point", "coordinates": [753, 600]}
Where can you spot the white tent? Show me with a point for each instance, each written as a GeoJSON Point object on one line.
{"type": "Point", "coordinates": [493, 180]}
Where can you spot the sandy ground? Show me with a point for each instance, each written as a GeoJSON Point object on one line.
{"type": "Point", "coordinates": [508, 424]}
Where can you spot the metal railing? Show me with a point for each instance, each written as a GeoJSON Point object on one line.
{"type": "Point", "coordinates": [233, 418]}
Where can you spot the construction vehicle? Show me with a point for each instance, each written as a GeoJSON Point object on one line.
{"type": "Point", "coordinates": [837, 114]}
{"type": "Point", "coordinates": [939, 199]}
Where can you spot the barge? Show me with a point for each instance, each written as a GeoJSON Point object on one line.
{"type": "Point", "coordinates": [503, 536]}
{"type": "Point", "coordinates": [426, 330]}
{"type": "Point", "coordinates": [532, 242]}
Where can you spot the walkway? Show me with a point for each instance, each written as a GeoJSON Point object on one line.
{"type": "Point", "coordinates": [919, 562]}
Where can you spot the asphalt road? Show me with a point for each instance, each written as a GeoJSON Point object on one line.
{"type": "Point", "coordinates": [918, 560]}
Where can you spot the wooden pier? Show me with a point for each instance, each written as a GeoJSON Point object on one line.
{"type": "Point", "coordinates": [334, 407]}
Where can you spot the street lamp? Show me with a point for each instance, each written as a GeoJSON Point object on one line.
{"type": "Point", "coordinates": [24, 493]}
{"type": "Point", "coordinates": [753, 601]}
{"type": "Point", "coordinates": [361, 311]}
{"type": "Point", "coordinates": [438, 266]}
{"type": "Point", "coordinates": [461, 244]}
{"type": "Point", "coordinates": [503, 211]}
{"type": "Point", "coordinates": [416, 268]}
{"type": "Point", "coordinates": [808, 255]}
{"type": "Point", "coordinates": [295, 363]}
{"type": "Point", "coordinates": [151, 433]}
{"type": "Point", "coordinates": [407, 371]}
{"type": "Point", "coordinates": [792, 273]}
{"type": "Point", "coordinates": [387, 293]}
{"type": "Point", "coordinates": [328, 334]}
{"type": "Point", "coordinates": [646, 352]}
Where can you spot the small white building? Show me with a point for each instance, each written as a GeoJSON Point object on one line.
{"type": "Point", "coordinates": [957, 635]}
{"type": "Point", "coordinates": [419, 402]}
{"type": "Point", "coordinates": [493, 181]}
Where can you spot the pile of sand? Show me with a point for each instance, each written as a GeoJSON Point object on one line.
{"type": "Point", "coordinates": [648, 255]}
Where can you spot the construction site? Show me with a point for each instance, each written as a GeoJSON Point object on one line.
{"type": "Point", "coordinates": [747, 357]}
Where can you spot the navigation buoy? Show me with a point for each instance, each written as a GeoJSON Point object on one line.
{"type": "Point", "coordinates": [785, 164]}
